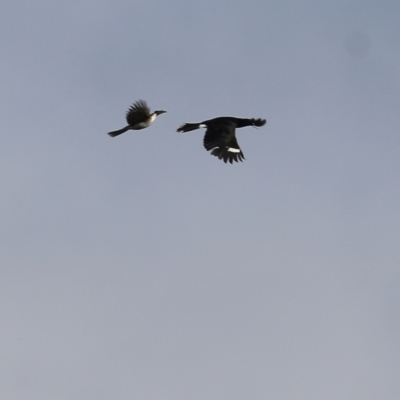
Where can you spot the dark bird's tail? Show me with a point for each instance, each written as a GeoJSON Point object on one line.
{"type": "Point", "coordinates": [188, 127]}
{"type": "Point", "coordinates": [119, 132]}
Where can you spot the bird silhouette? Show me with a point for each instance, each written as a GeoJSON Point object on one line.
{"type": "Point", "coordinates": [138, 117]}
{"type": "Point", "coordinates": [220, 136]}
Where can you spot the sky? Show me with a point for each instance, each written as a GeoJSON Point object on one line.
{"type": "Point", "coordinates": [142, 267]}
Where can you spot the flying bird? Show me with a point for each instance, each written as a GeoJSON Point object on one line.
{"type": "Point", "coordinates": [138, 117]}
{"type": "Point", "coordinates": [220, 136]}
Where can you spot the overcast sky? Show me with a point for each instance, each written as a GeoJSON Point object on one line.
{"type": "Point", "coordinates": [142, 267]}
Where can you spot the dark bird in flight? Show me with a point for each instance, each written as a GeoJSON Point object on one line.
{"type": "Point", "coordinates": [138, 117]}
{"type": "Point", "coordinates": [220, 136]}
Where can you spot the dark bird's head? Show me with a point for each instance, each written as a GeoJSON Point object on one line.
{"type": "Point", "coordinates": [258, 122]}
{"type": "Point", "coordinates": [158, 112]}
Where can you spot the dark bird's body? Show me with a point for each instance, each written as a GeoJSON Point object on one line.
{"type": "Point", "coordinates": [138, 117]}
{"type": "Point", "coordinates": [220, 136]}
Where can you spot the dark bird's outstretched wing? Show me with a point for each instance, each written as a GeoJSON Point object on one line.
{"type": "Point", "coordinates": [221, 141]}
{"type": "Point", "coordinates": [137, 113]}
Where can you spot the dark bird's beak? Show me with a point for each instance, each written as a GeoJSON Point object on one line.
{"type": "Point", "coordinates": [160, 112]}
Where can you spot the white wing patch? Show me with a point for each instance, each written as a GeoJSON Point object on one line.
{"type": "Point", "coordinates": [232, 150]}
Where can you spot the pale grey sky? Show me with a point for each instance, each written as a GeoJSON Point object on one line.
{"type": "Point", "coordinates": [141, 267]}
